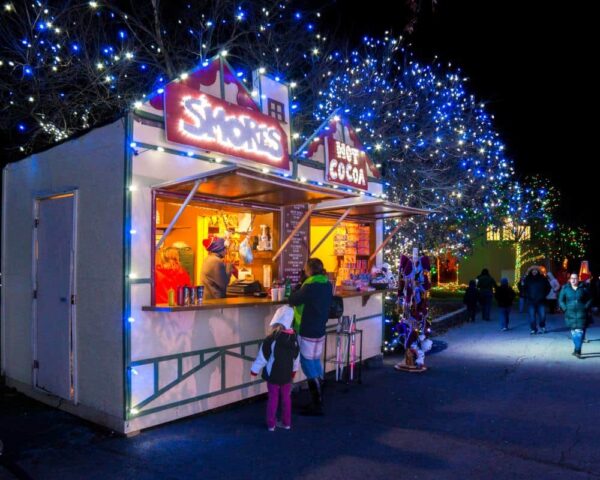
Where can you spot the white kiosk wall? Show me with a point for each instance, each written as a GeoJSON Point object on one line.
{"type": "Point", "coordinates": [93, 166]}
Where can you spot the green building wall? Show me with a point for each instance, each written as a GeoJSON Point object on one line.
{"type": "Point", "coordinates": [499, 260]}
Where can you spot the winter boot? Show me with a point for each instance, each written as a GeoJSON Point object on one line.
{"type": "Point", "coordinates": [315, 408]}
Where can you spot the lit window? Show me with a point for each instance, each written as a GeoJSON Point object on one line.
{"type": "Point", "coordinates": [493, 234]}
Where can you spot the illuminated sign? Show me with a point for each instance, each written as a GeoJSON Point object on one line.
{"type": "Point", "coordinates": [346, 165]}
{"type": "Point", "coordinates": [199, 120]}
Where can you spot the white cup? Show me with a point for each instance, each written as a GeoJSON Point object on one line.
{"type": "Point", "coordinates": [280, 293]}
{"type": "Point", "coordinates": [274, 293]}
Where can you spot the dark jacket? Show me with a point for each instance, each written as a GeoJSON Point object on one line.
{"type": "Point", "coordinates": [215, 276]}
{"type": "Point", "coordinates": [521, 287]}
{"type": "Point", "coordinates": [471, 297]}
{"type": "Point", "coordinates": [278, 356]}
{"type": "Point", "coordinates": [575, 304]}
{"type": "Point", "coordinates": [316, 298]}
{"type": "Point", "coordinates": [486, 284]}
{"type": "Point", "coordinates": [537, 288]}
{"type": "Point", "coordinates": [505, 296]}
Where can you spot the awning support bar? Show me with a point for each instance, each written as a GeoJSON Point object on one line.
{"type": "Point", "coordinates": [178, 214]}
{"type": "Point", "coordinates": [385, 242]}
{"type": "Point", "coordinates": [302, 221]}
{"type": "Point", "coordinates": [330, 231]}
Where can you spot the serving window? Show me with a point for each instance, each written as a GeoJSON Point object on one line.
{"type": "Point", "coordinates": [179, 258]}
{"type": "Point", "coordinates": [346, 250]}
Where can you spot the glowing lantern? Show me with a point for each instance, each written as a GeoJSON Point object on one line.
{"type": "Point", "coordinates": [584, 271]}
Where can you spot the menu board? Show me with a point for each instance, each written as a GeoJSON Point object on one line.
{"type": "Point", "coordinates": [295, 254]}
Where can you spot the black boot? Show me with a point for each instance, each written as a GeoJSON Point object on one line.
{"type": "Point", "coordinates": [315, 408]}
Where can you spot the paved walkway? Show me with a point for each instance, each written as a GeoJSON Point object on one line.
{"type": "Point", "coordinates": [494, 405]}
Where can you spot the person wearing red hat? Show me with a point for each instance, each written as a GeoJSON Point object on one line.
{"type": "Point", "coordinates": [215, 272]}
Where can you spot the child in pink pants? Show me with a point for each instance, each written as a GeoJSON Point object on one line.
{"type": "Point", "coordinates": [279, 358]}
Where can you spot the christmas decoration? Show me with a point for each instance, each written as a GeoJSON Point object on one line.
{"type": "Point", "coordinates": [412, 327]}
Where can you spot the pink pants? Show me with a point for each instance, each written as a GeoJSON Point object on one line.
{"type": "Point", "coordinates": [273, 401]}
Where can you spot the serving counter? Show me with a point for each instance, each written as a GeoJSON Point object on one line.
{"type": "Point", "coordinates": [199, 356]}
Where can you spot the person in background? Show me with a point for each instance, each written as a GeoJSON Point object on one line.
{"type": "Point", "coordinates": [215, 274]}
{"type": "Point", "coordinates": [169, 275]}
{"type": "Point", "coordinates": [471, 299]}
{"type": "Point", "coordinates": [553, 295]}
{"type": "Point", "coordinates": [486, 286]}
{"type": "Point", "coordinates": [278, 357]}
{"type": "Point", "coordinates": [311, 310]}
{"type": "Point", "coordinates": [521, 287]}
{"type": "Point", "coordinates": [575, 300]}
{"type": "Point", "coordinates": [588, 284]}
{"type": "Point", "coordinates": [537, 289]}
{"type": "Point", "coordinates": [504, 296]}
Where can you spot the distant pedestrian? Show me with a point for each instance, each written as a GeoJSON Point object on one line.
{"type": "Point", "coordinates": [553, 295]}
{"type": "Point", "coordinates": [575, 300]}
{"type": "Point", "coordinates": [471, 299]}
{"type": "Point", "coordinates": [521, 287]}
{"type": "Point", "coordinates": [486, 286]}
{"type": "Point", "coordinates": [279, 358]}
{"type": "Point", "coordinates": [504, 296]}
{"type": "Point", "coordinates": [537, 288]}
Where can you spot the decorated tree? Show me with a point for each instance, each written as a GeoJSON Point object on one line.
{"type": "Point", "coordinates": [527, 221]}
{"type": "Point", "coordinates": [433, 140]}
{"type": "Point", "coordinates": [69, 66]}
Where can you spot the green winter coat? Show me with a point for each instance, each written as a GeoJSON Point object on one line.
{"type": "Point", "coordinates": [575, 303]}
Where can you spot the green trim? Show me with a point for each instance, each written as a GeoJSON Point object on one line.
{"type": "Point", "coordinates": [128, 173]}
{"type": "Point", "coordinates": [181, 153]}
{"type": "Point", "coordinates": [311, 163]}
{"type": "Point", "coordinates": [194, 353]}
{"type": "Point", "coordinates": [150, 116]}
{"type": "Point", "coordinates": [221, 78]}
{"type": "Point", "coordinates": [308, 141]}
{"type": "Point", "coordinates": [197, 398]}
{"type": "Point", "coordinates": [239, 82]}
{"type": "Point", "coordinates": [215, 353]}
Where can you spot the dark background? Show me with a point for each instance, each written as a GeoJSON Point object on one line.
{"type": "Point", "coordinates": [529, 61]}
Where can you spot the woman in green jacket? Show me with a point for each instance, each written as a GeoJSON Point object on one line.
{"type": "Point", "coordinates": [575, 300]}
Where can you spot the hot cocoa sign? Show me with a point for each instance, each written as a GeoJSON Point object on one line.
{"type": "Point", "coordinates": [346, 165]}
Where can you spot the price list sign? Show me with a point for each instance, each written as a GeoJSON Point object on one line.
{"type": "Point", "coordinates": [295, 254]}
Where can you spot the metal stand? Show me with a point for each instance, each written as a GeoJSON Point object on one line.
{"type": "Point", "coordinates": [348, 365]}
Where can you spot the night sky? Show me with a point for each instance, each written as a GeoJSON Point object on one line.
{"type": "Point", "coordinates": [530, 62]}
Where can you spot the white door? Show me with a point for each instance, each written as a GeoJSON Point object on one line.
{"type": "Point", "coordinates": [54, 295]}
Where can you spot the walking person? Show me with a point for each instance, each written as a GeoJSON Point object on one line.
{"type": "Point", "coordinates": [278, 357]}
{"type": "Point", "coordinates": [486, 286]}
{"type": "Point", "coordinates": [537, 289]}
{"type": "Point", "coordinates": [575, 300]}
{"type": "Point", "coordinates": [471, 299]}
{"type": "Point", "coordinates": [505, 296]}
{"type": "Point", "coordinates": [521, 287]}
{"type": "Point", "coordinates": [311, 308]}
{"type": "Point", "coordinates": [553, 295]}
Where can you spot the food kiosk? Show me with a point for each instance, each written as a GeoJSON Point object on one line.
{"type": "Point", "coordinates": [92, 226]}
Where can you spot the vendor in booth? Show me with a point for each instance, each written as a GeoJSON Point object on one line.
{"type": "Point", "coordinates": [215, 274]}
{"type": "Point", "coordinates": [170, 274]}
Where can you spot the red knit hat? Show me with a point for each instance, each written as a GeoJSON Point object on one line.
{"type": "Point", "coordinates": [214, 244]}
